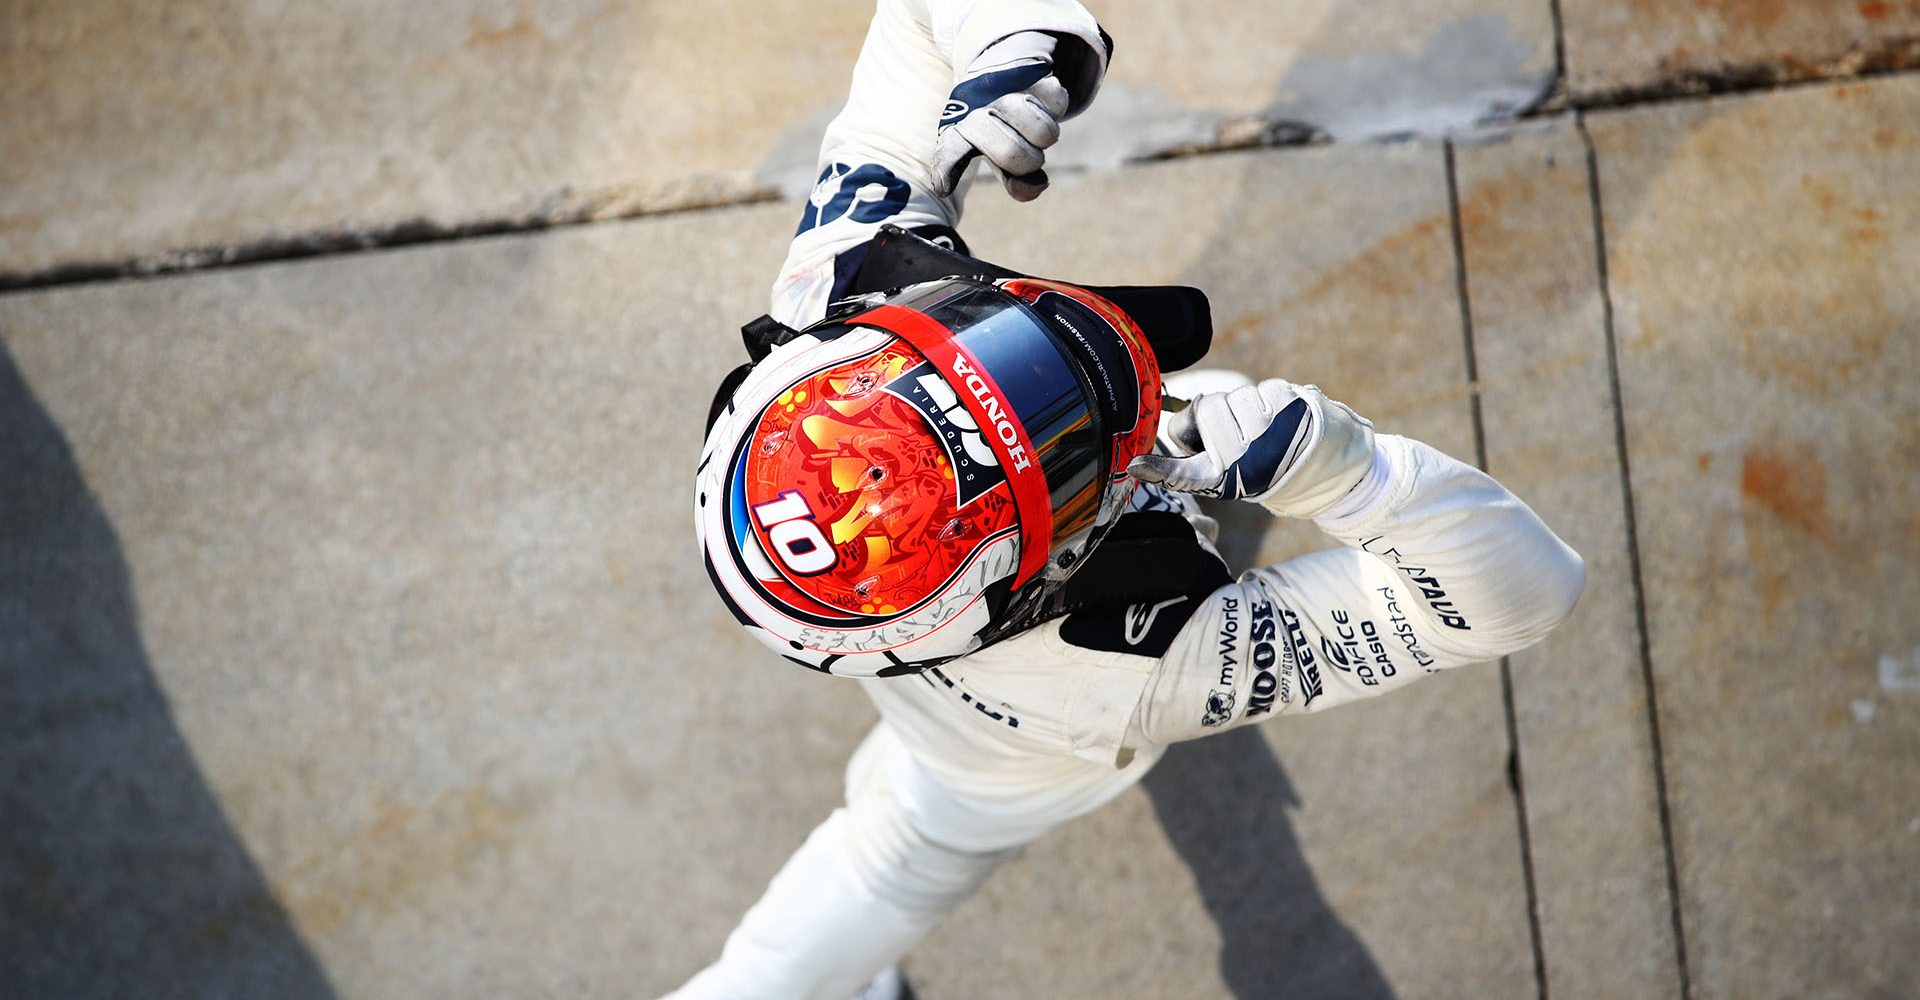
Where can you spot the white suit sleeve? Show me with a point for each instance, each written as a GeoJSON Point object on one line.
{"type": "Point", "coordinates": [1441, 567]}
{"type": "Point", "coordinates": [874, 165]}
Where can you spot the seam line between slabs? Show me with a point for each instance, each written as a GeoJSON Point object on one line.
{"type": "Point", "coordinates": [1514, 780]}
{"type": "Point", "coordinates": [1596, 206]}
{"type": "Point", "coordinates": [1729, 81]}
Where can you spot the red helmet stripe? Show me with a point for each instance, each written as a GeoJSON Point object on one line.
{"type": "Point", "coordinates": [977, 390]}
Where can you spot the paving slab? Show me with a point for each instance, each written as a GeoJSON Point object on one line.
{"type": "Point", "coordinates": [387, 555]}
{"type": "Point", "coordinates": [1761, 254]}
{"type": "Point", "coordinates": [165, 132]}
{"type": "Point", "coordinates": [1580, 704]}
{"type": "Point", "coordinates": [1616, 49]}
{"type": "Point", "coordinates": [168, 134]}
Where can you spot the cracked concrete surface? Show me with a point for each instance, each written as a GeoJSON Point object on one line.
{"type": "Point", "coordinates": [1618, 50]}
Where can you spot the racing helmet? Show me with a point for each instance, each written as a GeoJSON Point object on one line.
{"type": "Point", "coordinates": [915, 476]}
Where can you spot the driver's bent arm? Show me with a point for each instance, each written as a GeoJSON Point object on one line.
{"type": "Point", "coordinates": [875, 160]}
{"type": "Point", "coordinates": [1442, 566]}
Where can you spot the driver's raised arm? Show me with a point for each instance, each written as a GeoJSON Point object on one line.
{"type": "Point", "coordinates": [1439, 566]}
{"type": "Point", "coordinates": [939, 83]}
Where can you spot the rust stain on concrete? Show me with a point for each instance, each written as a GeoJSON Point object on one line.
{"type": "Point", "coordinates": [1241, 326]}
{"type": "Point", "coordinates": [1482, 205]}
{"type": "Point", "coordinates": [1822, 193]}
{"type": "Point", "coordinates": [1388, 268]}
{"type": "Point", "coordinates": [1783, 488]}
{"type": "Point", "coordinates": [1754, 13]}
{"type": "Point", "coordinates": [1826, 320]}
{"type": "Point", "coordinates": [402, 851]}
{"type": "Point", "coordinates": [516, 29]}
{"type": "Point", "coordinates": [1876, 10]}
{"type": "Point", "coordinates": [1788, 479]}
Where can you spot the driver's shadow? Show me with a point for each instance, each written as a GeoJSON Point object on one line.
{"type": "Point", "coordinates": [121, 874]}
{"type": "Point", "coordinates": [1223, 803]}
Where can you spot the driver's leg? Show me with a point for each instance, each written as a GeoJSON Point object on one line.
{"type": "Point", "coordinates": [884, 870]}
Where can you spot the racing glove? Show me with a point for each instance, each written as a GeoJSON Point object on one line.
{"type": "Point", "coordinates": [1286, 447]}
{"type": "Point", "coordinates": [1007, 108]}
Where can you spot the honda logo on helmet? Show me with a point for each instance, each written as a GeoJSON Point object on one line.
{"type": "Point", "coordinates": [996, 414]}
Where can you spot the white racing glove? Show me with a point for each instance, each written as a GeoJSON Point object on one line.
{"type": "Point", "coordinates": [1007, 107]}
{"type": "Point", "coordinates": [1286, 447]}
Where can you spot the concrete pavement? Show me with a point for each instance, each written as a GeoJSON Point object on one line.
{"type": "Point", "coordinates": [353, 644]}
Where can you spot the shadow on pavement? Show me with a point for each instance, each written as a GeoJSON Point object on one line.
{"type": "Point", "coordinates": [119, 874]}
{"type": "Point", "coordinates": [1223, 803]}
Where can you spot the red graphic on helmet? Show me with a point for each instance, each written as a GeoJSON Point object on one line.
{"type": "Point", "coordinates": [878, 490]}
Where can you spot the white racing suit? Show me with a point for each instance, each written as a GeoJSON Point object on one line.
{"type": "Point", "coordinates": [1438, 566]}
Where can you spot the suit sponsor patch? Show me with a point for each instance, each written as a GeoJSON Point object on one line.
{"type": "Point", "coordinates": [1357, 648]}
{"type": "Point", "coordinates": [1269, 683]}
{"type": "Point", "coordinates": [1227, 644]}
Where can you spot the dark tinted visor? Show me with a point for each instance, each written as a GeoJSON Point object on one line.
{"type": "Point", "coordinates": [1044, 386]}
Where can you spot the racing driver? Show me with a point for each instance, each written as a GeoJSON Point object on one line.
{"type": "Point", "coordinates": [971, 490]}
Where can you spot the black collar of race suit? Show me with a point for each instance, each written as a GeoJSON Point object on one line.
{"type": "Point", "coordinates": [1176, 319]}
{"type": "Point", "coordinates": [1148, 556]}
